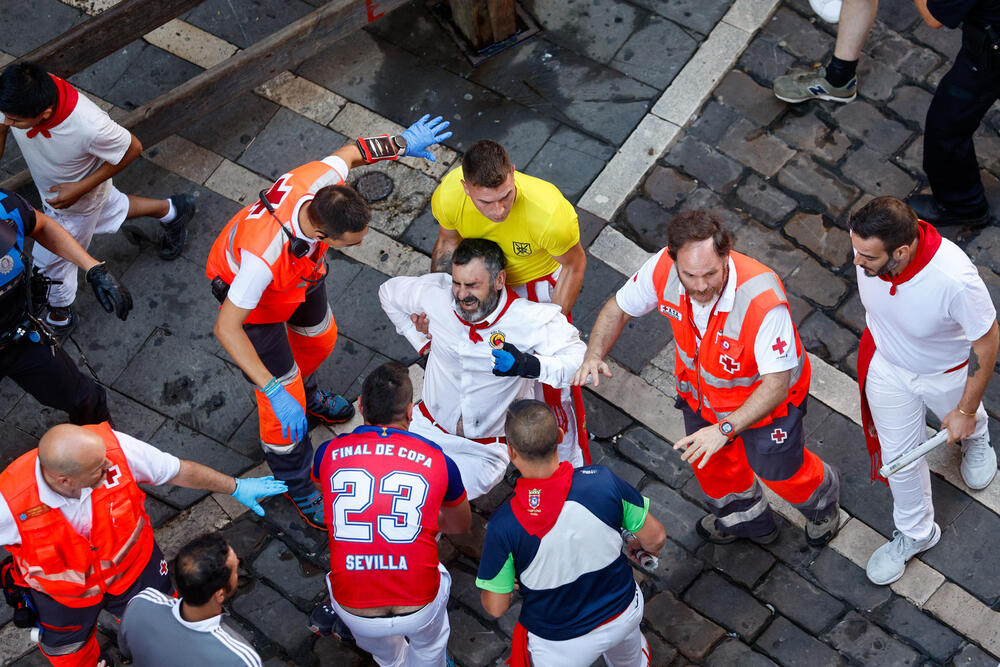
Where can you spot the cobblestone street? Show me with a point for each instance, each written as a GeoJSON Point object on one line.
{"type": "Point", "coordinates": [610, 101]}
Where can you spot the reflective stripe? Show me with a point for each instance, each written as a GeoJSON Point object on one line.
{"type": "Point", "coordinates": [129, 543]}
{"type": "Point", "coordinates": [62, 649]}
{"type": "Point", "coordinates": [273, 250]}
{"type": "Point", "coordinates": [316, 329]}
{"type": "Point", "coordinates": [745, 294]}
{"type": "Point", "coordinates": [754, 491]}
{"type": "Point", "coordinates": [685, 359]}
{"type": "Point", "coordinates": [280, 450]}
{"type": "Point", "coordinates": [234, 265]}
{"type": "Point", "coordinates": [36, 574]}
{"type": "Point", "coordinates": [289, 377]}
{"type": "Point", "coordinates": [672, 290]}
{"type": "Point", "coordinates": [746, 516]}
{"type": "Point", "coordinates": [722, 383]}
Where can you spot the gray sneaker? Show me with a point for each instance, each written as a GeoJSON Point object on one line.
{"type": "Point", "coordinates": [979, 462]}
{"type": "Point", "coordinates": [801, 85]}
{"type": "Point", "coordinates": [822, 531]}
{"type": "Point", "coordinates": [889, 561]}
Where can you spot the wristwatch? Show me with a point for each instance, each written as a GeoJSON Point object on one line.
{"type": "Point", "coordinates": [727, 429]}
{"type": "Point", "coordinates": [400, 142]}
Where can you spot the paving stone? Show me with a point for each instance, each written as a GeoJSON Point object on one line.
{"type": "Point", "coordinates": [971, 564]}
{"type": "Point", "coordinates": [565, 162]}
{"type": "Point", "coordinates": [331, 651]}
{"type": "Point", "coordinates": [829, 243]}
{"type": "Point", "coordinates": [734, 652]}
{"type": "Point", "coordinates": [593, 98]}
{"type": "Point", "coordinates": [282, 515]}
{"type": "Point", "coordinates": [799, 600]}
{"type": "Point", "coordinates": [493, 499]}
{"type": "Point", "coordinates": [984, 248]}
{"type": "Point", "coordinates": [600, 281]}
{"type": "Point", "coordinates": [691, 633]}
{"type": "Point", "coordinates": [603, 419]}
{"type": "Point", "coordinates": [247, 536]}
{"type": "Point", "coordinates": [677, 568]}
{"type": "Point", "coordinates": [135, 75]}
{"type": "Point", "coordinates": [826, 192]}
{"type": "Point", "coordinates": [807, 132]}
{"type": "Point", "coordinates": [296, 579]}
{"type": "Point", "coordinates": [949, 501]}
{"type": "Point", "coordinates": [865, 123]}
{"type": "Point", "coordinates": [274, 616]}
{"type": "Point", "coordinates": [632, 348]}
{"type": "Point", "coordinates": [845, 580]}
{"type": "Point", "coordinates": [821, 335]}
{"type": "Point", "coordinates": [47, 18]}
{"type": "Point", "coordinates": [590, 226]}
{"type": "Point", "coordinates": [704, 199]}
{"type": "Point", "coordinates": [661, 653]}
{"type": "Point", "coordinates": [867, 644]}
{"type": "Point", "coordinates": [902, 55]}
{"type": "Point", "coordinates": [973, 656]}
{"type": "Point", "coordinates": [729, 606]}
{"type": "Point", "coordinates": [907, 621]}
{"type": "Point", "coordinates": [852, 313]}
{"type": "Point", "coordinates": [603, 453]}
{"type": "Point", "coordinates": [744, 562]}
{"type": "Point", "coordinates": [764, 60]}
{"type": "Point", "coordinates": [409, 197]}
{"type": "Point", "coordinates": [676, 513]}
{"type": "Point", "coordinates": [911, 103]}
{"type": "Point", "coordinates": [654, 455]}
{"type": "Point", "coordinates": [769, 248]}
{"type": "Point", "coordinates": [655, 52]}
{"type": "Point", "coordinates": [714, 120]}
{"type": "Point", "coordinates": [245, 23]}
{"type": "Point", "coordinates": [591, 28]}
{"type": "Point", "coordinates": [367, 321]}
{"type": "Point", "coordinates": [764, 201]}
{"type": "Point", "coordinates": [756, 102]}
{"type": "Point", "coordinates": [791, 546]}
{"type": "Point", "coordinates": [878, 177]}
{"type": "Point", "coordinates": [471, 642]}
{"type": "Point", "coordinates": [799, 36]}
{"type": "Point", "coordinates": [287, 140]}
{"type": "Point", "coordinates": [463, 586]}
{"type": "Point", "coordinates": [700, 16]}
{"type": "Point", "coordinates": [789, 645]}
{"type": "Point", "coordinates": [667, 187]}
{"type": "Point", "coordinates": [814, 282]}
{"type": "Point", "coordinates": [704, 163]}
{"type": "Point", "coordinates": [755, 147]}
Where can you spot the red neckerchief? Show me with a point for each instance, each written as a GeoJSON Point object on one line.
{"type": "Point", "coordinates": [474, 329]}
{"type": "Point", "coordinates": [928, 242]}
{"type": "Point", "coordinates": [65, 103]}
{"type": "Point", "coordinates": [538, 502]}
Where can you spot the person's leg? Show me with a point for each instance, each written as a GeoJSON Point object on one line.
{"type": "Point", "coordinates": [377, 636]}
{"type": "Point", "coordinates": [81, 228]}
{"type": "Point", "coordinates": [56, 381]}
{"type": "Point", "coordinates": [173, 213]}
{"type": "Point", "coordinates": [142, 206]}
{"type": "Point", "coordinates": [69, 637]}
{"type": "Point", "coordinates": [632, 649]}
{"type": "Point", "coordinates": [429, 641]}
{"type": "Point", "coordinates": [482, 466]}
{"type": "Point", "coordinates": [961, 100]}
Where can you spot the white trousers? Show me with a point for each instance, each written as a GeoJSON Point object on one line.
{"type": "Point", "coordinates": [386, 638]}
{"type": "Point", "coordinates": [620, 641]}
{"type": "Point", "coordinates": [105, 219]}
{"type": "Point", "coordinates": [482, 465]}
{"type": "Point", "coordinates": [899, 400]}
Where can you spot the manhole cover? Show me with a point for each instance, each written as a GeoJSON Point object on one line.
{"type": "Point", "coordinates": [374, 186]}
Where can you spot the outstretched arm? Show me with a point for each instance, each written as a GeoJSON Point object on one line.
{"type": "Point", "coordinates": [57, 240]}
{"type": "Point", "coordinates": [608, 326]}
{"type": "Point", "coordinates": [574, 264]}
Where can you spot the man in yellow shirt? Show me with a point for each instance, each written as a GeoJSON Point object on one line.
{"type": "Point", "coordinates": [538, 230]}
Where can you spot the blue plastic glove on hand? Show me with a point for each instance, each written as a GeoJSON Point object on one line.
{"type": "Point", "coordinates": [425, 133]}
{"type": "Point", "coordinates": [510, 362]}
{"type": "Point", "coordinates": [503, 360]}
{"type": "Point", "coordinates": [290, 413]}
{"type": "Point", "coordinates": [250, 489]}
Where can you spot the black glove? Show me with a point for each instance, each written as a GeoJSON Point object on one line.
{"type": "Point", "coordinates": [112, 295]}
{"type": "Point", "coordinates": [510, 362]}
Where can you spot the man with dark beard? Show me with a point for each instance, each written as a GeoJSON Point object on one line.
{"type": "Point", "coordinates": [931, 342]}
{"type": "Point", "coordinates": [490, 348]}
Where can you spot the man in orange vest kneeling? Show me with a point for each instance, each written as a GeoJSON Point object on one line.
{"type": "Point", "coordinates": [742, 380]}
{"type": "Point", "coordinates": [73, 517]}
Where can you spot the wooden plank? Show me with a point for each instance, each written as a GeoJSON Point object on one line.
{"type": "Point", "coordinates": [484, 22]}
{"type": "Point", "coordinates": [83, 45]}
{"type": "Point", "coordinates": [280, 51]}
{"type": "Point", "coordinates": [503, 20]}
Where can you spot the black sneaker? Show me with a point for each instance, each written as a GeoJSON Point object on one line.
{"type": "Point", "coordinates": [329, 408]}
{"type": "Point", "coordinates": [175, 232]}
{"type": "Point", "coordinates": [709, 530]}
{"type": "Point", "coordinates": [62, 320]}
{"type": "Point", "coordinates": [929, 209]}
{"type": "Point", "coordinates": [323, 620]}
{"type": "Point", "coordinates": [311, 509]}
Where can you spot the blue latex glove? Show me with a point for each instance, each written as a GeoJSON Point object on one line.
{"type": "Point", "coordinates": [503, 360]}
{"type": "Point", "coordinates": [510, 361]}
{"type": "Point", "coordinates": [425, 133]}
{"type": "Point", "coordinates": [290, 413]}
{"type": "Point", "coordinates": [250, 489]}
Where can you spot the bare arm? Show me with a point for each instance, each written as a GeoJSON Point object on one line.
{"type": "Point", "coordinates": [229, 331]}
{"type": "Point", "coordinates": [197, 476]}
{"type": "Point", "coordinates": [961, 421]}
{"type": "Point", "coordinates": [608, 326]}
{"type": "Point", "coordinates": [495, 604]}
{"type": "Point", "coordinates": [705, 442]}
{"type": "Point", "coordinates": [350, 154]}
{"type": "Point", "coordinates": [54, 238]}
{"type": "Point", "coordinates": [67, 194]}
{"type": "Point", "coordinates": [926, 15]}
{"type": "Point", "coordinates": [455, 519]}
{"type": "Point", "coordinates": [444, 248]}
{"type": "Point", "coordinates": [574, 264]}
{"type": "Point", "coordinates": [652, 536]}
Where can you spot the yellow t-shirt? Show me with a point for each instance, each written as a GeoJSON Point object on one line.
{"type": "Point", "coordinates": [542, 224]}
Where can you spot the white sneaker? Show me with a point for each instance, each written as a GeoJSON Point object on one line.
{"type": "Point", "coordinates": [888, 562]}
{"type": "Point", "coordinates": [828, 10]}
{"type": "Point", "coordinates": [979, 462]}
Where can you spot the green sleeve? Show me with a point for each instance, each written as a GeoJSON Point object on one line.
{"type": "Point", "coordinates": [634, 516]}
{"type": "Point", "coordinates": [503, 582]}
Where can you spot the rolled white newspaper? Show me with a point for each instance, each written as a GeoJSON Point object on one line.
{"type": "Point", "coordinates": [906, 458]}
{"type": "Point", "coordinates": [648, 561]}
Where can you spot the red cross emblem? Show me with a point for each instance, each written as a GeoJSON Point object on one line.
{"type": "Point", "coordinates": [779, 346]}
{"type": "Point", "coordinates": [113, 474]}
{"type": "Point", "coordinates": [163, 567]}
{"type": "Point", "coordinates": [779, 436]}
{"type": "Point", "coordinates": [729, 363]}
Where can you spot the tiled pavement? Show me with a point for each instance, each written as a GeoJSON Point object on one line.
{"type": "Point", "coordinates": [564, 103]}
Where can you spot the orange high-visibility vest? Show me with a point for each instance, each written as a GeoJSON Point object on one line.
{"type": "Point", "coordinates": [255, 230]}
{"type": "Point", "coordinates": [55, 559]}
{"type": "Point", "coordinates": [720, 376]}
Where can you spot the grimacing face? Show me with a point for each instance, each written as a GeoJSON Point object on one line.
{"type": "Point", "coordinates": [702, 272]}
{"type": "Point", "coordinates": [475, 294]}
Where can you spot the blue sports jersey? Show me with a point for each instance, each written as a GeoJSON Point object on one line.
{"type": "Point", "coordinates": [575, 577]}
{"type": "Point", "coordinates": [17, 213]}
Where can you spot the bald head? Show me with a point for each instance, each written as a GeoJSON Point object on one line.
{"type": "Point", "coordinates": [67, 450]}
